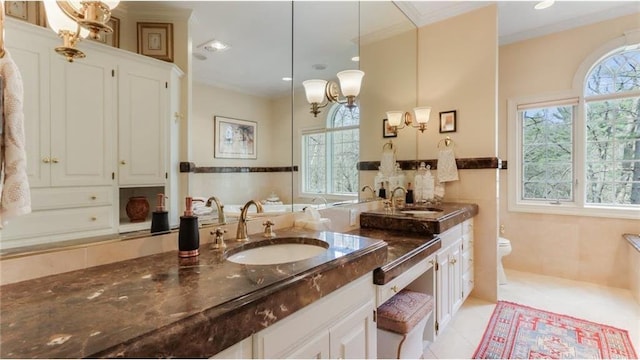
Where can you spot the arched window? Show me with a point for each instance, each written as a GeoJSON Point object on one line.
{"type": "Point", "coordinates": [330, 154]}
{"type": "Point", "coordinates": [612, 129]}
{"type": "Point", "coordinates": [580, 153]}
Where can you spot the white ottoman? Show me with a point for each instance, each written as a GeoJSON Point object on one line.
{"type": "Point", "coordinates": [401, 322]}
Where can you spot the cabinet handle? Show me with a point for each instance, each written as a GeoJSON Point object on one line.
{"type": "Point", "coordinates": [122, 162]}
{"type": "Point", "coordinates": [93, 197]}
{"type": "Point", "coordinates": [54, 160]}
{"type": "Point", "coordinates": [394, 288]}
{"type": "Point", "coordinates": [46, 160]}
{"type": "Point", "coordinates": [93, 218]}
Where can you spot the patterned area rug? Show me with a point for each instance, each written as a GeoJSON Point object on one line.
{"type": "Point", "coordinates": [521, 332]}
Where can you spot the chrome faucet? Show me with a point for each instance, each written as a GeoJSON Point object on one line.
{"type": "Point", "coordinates": [241, 234]}
{"type": "Point", "coordinates": [219, 206]}
{"type": "Point", "coordinates": [393, 195]}
{"type": "Point", "coordinates": [373, 192]}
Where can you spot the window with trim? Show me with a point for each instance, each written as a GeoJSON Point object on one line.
{"type": "Point", "coordinates": [584, 152]}
{"type": "Point", "coordinates": [330, 154]}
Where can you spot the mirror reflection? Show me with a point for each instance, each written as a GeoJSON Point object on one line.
{"type": "Point", "coordinates": [254, 89]}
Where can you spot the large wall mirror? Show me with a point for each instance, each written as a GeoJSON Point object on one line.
{"type": "Point", "coordinates": [273, 47]}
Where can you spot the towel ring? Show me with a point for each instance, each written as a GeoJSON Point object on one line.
{"type": "Point", "coordinates": [447, 142]}
{"type": "Point", "coordinates": [389, 144]}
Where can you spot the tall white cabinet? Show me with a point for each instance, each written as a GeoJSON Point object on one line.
{"type": "Point", "coordinates": [92, 127]}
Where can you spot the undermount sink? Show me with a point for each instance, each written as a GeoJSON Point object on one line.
{"type": "Point", "coordinates": [279, 251]}
{"type": "Point", "coordinates": [426, 211]}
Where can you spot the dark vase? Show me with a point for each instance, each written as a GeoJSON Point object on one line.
{"type": "Point", "coordinates": [137, 208]}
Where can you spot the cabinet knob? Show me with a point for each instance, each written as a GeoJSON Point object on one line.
{"type": "Point", "coordinates": [93, 218]}
{"type": "Point", "coordinates": [54, 160]}
{"type": "Point", "coordinates": [122, 162]}
{"type": "Point", "coordinates": [93, 197]}
{"type": "Point", "coordinates": [46, 160]}
{"type": "Point", "coordinates": [453, 261]}
{"type": "Point", "coordinates": [394, 288]}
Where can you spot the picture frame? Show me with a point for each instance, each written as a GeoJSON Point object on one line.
{"type": "Point", "coordinates": [448, 121]}
{"type": "Point", "coordinates": [387, 131]}
{"type": "Point", "coordinates": [29, 11]}
{"type": "Point", "coordinates": [112, 39]}
{"type": "Point", "coordinates": [156, 40]}
{"type": "Point", "coordinates": [235, 138]}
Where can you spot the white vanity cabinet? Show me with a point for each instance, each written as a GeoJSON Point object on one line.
{"type": "Point", "coordinates": [454, 271]}
{"type": "Point", "coordinates": [339, 325]}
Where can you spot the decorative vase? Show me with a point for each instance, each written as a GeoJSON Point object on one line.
{"type": "Point", "coordinates": [137, 208]}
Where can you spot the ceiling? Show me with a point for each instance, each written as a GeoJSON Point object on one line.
{"type": "Point", "coordinates": [260, 33]}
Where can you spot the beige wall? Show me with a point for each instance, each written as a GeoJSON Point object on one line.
{"type": "Point", "coordinates": [575, 247]}
{"type": "Point", "coordinates": [457, 70]}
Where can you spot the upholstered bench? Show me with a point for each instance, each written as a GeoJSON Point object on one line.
{"type": "Point", "coordinates": [401, 322]}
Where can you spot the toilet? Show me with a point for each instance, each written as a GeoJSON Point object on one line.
{"type": "Point", "coordinates": [504, 249]}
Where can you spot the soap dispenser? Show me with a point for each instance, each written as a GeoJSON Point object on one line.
{"type": "Point", "coordinates": [160, 217]}
{"type": "Point", "coordinates": [188, 235]}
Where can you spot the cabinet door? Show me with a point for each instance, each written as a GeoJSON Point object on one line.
{"type": "Point", "coordinates": [355, 336]}
{"type": "Point", "coordinates": [82, 121]}
{"type": "Point", "coordinates": [31, 55]}
{"type": "Point", "coordinates": [315, 348]}
{"type": "Point", "coordinates": [455, 276]}
{"type": "Point", "coordinates": [143, 99]}
{"type": "Point", "coordinates": [443, 290]}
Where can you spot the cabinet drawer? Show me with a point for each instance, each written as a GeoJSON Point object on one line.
{"type": "Point", "coordinates": [451, 236]}
{"type": "Point", "coordinates": [58, 198]}
{"type": "Point", "coordinates": [386, 291]}
{"type": "Point", "coordinates": [51, 222]}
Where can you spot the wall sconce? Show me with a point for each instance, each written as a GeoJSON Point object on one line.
{"type": "Point", "coordinates": [400, 119]}
{"type": "Point", "coordinates": [72, 20]}
{"type": "Point", "coordinates": [317, 90]}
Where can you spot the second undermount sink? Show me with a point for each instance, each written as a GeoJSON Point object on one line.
{"type": "Point", "coordinates": [280, 251]}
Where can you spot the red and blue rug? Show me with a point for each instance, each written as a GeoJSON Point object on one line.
{"type": "Point", "coordinates": [521, 332]}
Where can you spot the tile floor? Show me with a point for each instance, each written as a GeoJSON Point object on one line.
{"type": "Point", "coordinates": [601, 304]}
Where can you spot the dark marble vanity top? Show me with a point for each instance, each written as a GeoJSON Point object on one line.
{"type": "Point", "coordinates": [163, 306]}
{"type": "Point", "coordinates": [404, 250]}
{"type": "Point", "coordinates": [414, 219]}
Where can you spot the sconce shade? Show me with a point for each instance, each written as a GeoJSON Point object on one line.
{"type": "Point", "coordinates": [350, 81]}
{"type": "Point", "coordinates": [422, 114]}
{"type": "Point", "coordinates": [59, 21]}
{"type": "Point", "coordinates": [314, 89]}
{"type": "Point", "coordinates": [395, 117]}
{"type": "Point", "coordinates": [112, 4]}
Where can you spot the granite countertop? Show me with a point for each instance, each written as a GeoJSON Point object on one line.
{"type": "Point", "coordinates": [404, 249]}
{"type": "Point", "coordinates": [163, 306]}
{"type": "Point", "coordinates": [633, 239]}
{"type": "Point", "coordinates": [428, 222]}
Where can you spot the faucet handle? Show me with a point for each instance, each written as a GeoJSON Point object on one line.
{"type": "Point", "coordinates": [218, 242]}
{"type": "Point", "coordinates": [268, 230]}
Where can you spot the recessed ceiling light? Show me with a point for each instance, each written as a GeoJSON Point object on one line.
{"type": "Point", "coordinates": [355, 58]}
{"type": "Point", "coordinates": [543, 4]}
{"type": "Point", "coordinates": [286, 78]}
{"type": "Point", "coordinates": [215, 46]}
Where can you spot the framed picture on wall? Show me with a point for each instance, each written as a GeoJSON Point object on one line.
{"type": "Point", "coordinates": [448, 121]}
{"type": "Point", "coordinates": [29, 11]}
{"type": "Point", "coordinates": [387, 131]}
{"type": "Point", "coordinates": [234, 138]}
{"type": "Point", "coordinates": [156, 40]}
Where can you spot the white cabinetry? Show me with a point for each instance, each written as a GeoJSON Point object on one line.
{"type": "Point", "coordinates": [339, 325]}
{"type": "Point", "coordinates": [72, 113]}
{"type": "Point", "coordinates": [454, 271]}
{"type": "Point", "coordinates": [143, 113]}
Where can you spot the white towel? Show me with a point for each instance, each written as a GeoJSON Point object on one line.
{"type": "Point", "coordinates": [14, 184]}
{"type": "Point", "coordinates": [447, 169]}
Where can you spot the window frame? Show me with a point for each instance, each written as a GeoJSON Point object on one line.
{"type": "Point", "coordinates": [327, 130]}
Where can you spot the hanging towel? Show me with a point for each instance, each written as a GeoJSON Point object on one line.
{"type": "Point", "coordinates": [447, 169]}
{"type": "Point", "coordinates": [15, 196]}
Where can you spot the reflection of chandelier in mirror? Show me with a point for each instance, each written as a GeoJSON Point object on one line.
{"type": "Point", "coordinates": [73, 19]}
{"type": "Point", "coordinates": [399, 119]}
{"type": "Point", "coordinates": [316, 90]}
